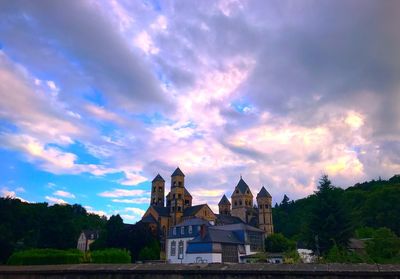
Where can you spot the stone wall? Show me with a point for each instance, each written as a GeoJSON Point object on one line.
{"type": "Point", "coordinates": [201, 271]}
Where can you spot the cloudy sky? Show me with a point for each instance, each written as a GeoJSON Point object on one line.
{"type": "Point", "coordinates": [97, 97]}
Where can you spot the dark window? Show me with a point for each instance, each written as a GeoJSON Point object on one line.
{"type": "Point", "coordinates": [179, 209]}
{"type": "Point", "coordinates": [154, 189]}
{"type": "Point", "coordinates": [229, 253]}
{"type": "Point", "coordinates": [174, 183]}
{"type": "Point", "coordinates": [159, 189]}
{"type": "Point", "coordinates": [173, 196]}
{"type": "Point", "coordinates": [187, 202]}
{"type": "Point", "coordinates": [180, 183]}
{"type": "Point", "coordinates": [179, 196]}
{"type": "Point", "coordinates": [159, 200]}
{"type": "Point", "coordinates": [260, 206]}
{"type": "Point", "coordinates": [237, 191]}
{"type": "Point", "coordinates": [235, 203]}
{"type": "Point", "coordinates": [240, 202]}
{"type": "Point", "coordinates": [173, 248]}
{"type": "Point", "coordinates": [173, 208]}
{"type": "Point", "coordinates": [256, 241]}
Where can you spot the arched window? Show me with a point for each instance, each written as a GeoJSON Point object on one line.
{"type": "Point", "coordinates": [173, 248]}
{"type": "Point", "coordinates": [240, 202]}
{"type": "Point", "coordinates": [180, 249]}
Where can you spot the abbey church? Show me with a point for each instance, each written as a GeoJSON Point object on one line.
{"type": "Point", "coordinates": [176, 207]}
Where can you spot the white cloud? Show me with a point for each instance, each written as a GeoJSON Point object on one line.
{"type": "Point", "coordinates": [116, 193]}
{"type": "Point", "coordinates": [64, 194]}
{"type": "Point", "coordinates": [133, 201]}
{"type": "Point", "coordinates": [54, 200]}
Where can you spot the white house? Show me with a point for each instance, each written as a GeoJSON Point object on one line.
{"type": "Point", "coordinates": [86, 238]}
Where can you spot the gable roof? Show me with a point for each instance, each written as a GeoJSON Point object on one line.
{"type": "Point", "coordinates": [217, 236]}
{"type": "Point", "coordinates": [227, 219]}
{"type": "Point", "coordinates": [162, 210]}
{"type": "Point", "coordinates": [177, 172]}
{"type": "Point", "coordinates": [158, 178]}
{"type": "Point", "coordinates": [242, 186]}
{"type": "Point", "coordinates": [187, 193]}
{"type": "Point", "coordinates": [149, 219]}
{"type": "Point", "coordinates": [91, 234]}
{"type": "Point", "coordinates": [224, 200]}
{"type": "Point", "coordinates": [263, 193]}
{"type": "Point", "coordinates": [191, 211]}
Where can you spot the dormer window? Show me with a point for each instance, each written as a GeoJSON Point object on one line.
{"type": "Point", "coordinates": [190, 230]}
{"type": "Point", "coordinates": [182, 230]}
{"type": "Point", "coordinates": [174, 231]}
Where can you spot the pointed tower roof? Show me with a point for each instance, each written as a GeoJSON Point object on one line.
{"type": "Point", "coordinates": [158, 178]}
{"type": "Point", "coordinates": [224, 200]}
{"type": "Point", "coordinates": [263, 193]}
{"type": "Point", "coordinates": [242, 186]}
{"type": "Point", "coordinates": [177, 172]}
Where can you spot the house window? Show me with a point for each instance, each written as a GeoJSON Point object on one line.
{"type": "Point", "coordinates": [180, 249]}
{"type": "Point", "coordinates": [173, 248]}
{"type": "Point", "coordinates": [235, 203]}
{"type": "Point", "coordinates": [179, 196]}
{"type": "Point", "coordinates": [260, 206]}
{"type": "Point", "coordinates": [182, 230]}
{"type": "Point", "coordinates": [190, 229]}
{"type": "Point", "coordinates": [174, 231]}
{"type": "Point", "coordinates": [186, 202]}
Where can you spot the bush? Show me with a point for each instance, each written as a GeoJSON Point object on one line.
{"type": "Point", "coordinates": [150, 252]}
{"type": "Point", "coordinates": [111, 255]}
{"type": "Point", "coordinates": [277, 242]}
{"type": "Point", "coordinates": [46, 256]}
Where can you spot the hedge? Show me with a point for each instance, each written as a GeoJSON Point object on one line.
{"type": "Point", "coordinates": [111, 255]}
{"type": "Point", "coordinates": [46, 256]}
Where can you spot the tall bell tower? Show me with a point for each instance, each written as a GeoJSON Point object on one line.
{"type": "Point", "coordinates": [264, 201]}
{"type": "Point", "coordinates": [224, 206]}
{"type": "Point", "coordinates": [177, 195]}
{"type": "Point", "coordinates": [157, 191]}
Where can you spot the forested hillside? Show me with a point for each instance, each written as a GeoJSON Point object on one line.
{"type": "Point", "coordinates": [37, 225]}
{"type": "Point", "coordinates": [373, 204]}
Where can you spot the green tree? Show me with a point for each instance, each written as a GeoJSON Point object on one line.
{"type": "Point", "coordinates": [277, 242]}
{"type": "Point", "coordinates": [383, 246]}
{"type": "Point", "coordinates": [330, 223]}
{"type": "Point", "coordinates": [150, 252]}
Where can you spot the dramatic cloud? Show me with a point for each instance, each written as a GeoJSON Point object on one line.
{"type": "Point", "coordinates": [103, 96]}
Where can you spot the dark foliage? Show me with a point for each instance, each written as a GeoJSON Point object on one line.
{"type": "Point", "coordinates": [37, 225]}
{"type": "Point", "coordinates": [374, 203]}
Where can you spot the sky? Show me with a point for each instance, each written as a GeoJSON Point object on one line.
{"type": "Point", "coordinates": [97, 97]}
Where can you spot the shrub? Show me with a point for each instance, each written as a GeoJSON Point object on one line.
{"type": "Point", "coordinates": [111, 255]}
{"type": "Point", "coordinates": [46, 256]}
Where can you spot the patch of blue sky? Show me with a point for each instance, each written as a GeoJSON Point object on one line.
{"type": "Point", "coordinates": [95, 96]}
{"type": "Point", "coordinates": [153, 119]}
{"type": "Point", "coordinates": [7, 127]}
{"type": "Point", "coordinates": [77, 148]}
{"type": "Point", "coordinates": [155, 4]}
{"type": "Point", "coordinates": [241, 106]}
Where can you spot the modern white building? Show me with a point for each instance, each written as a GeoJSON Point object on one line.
{"type": "Point", "coordinates": [198, 241]}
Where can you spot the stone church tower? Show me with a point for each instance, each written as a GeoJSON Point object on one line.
{"type": "Point", "coordinates": [177, 196]}
{"type": "Point", "coordinates": [264, 201]}
{"type": "Point", "coordinates": [242, 200]}
{"type": "Point", "coordinates": [157, 191]}
{"type": "Point", "coordinates": [224, 206]}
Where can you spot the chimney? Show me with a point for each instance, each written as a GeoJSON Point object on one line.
{"type": "Point", "coordinates": [203, 230]}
